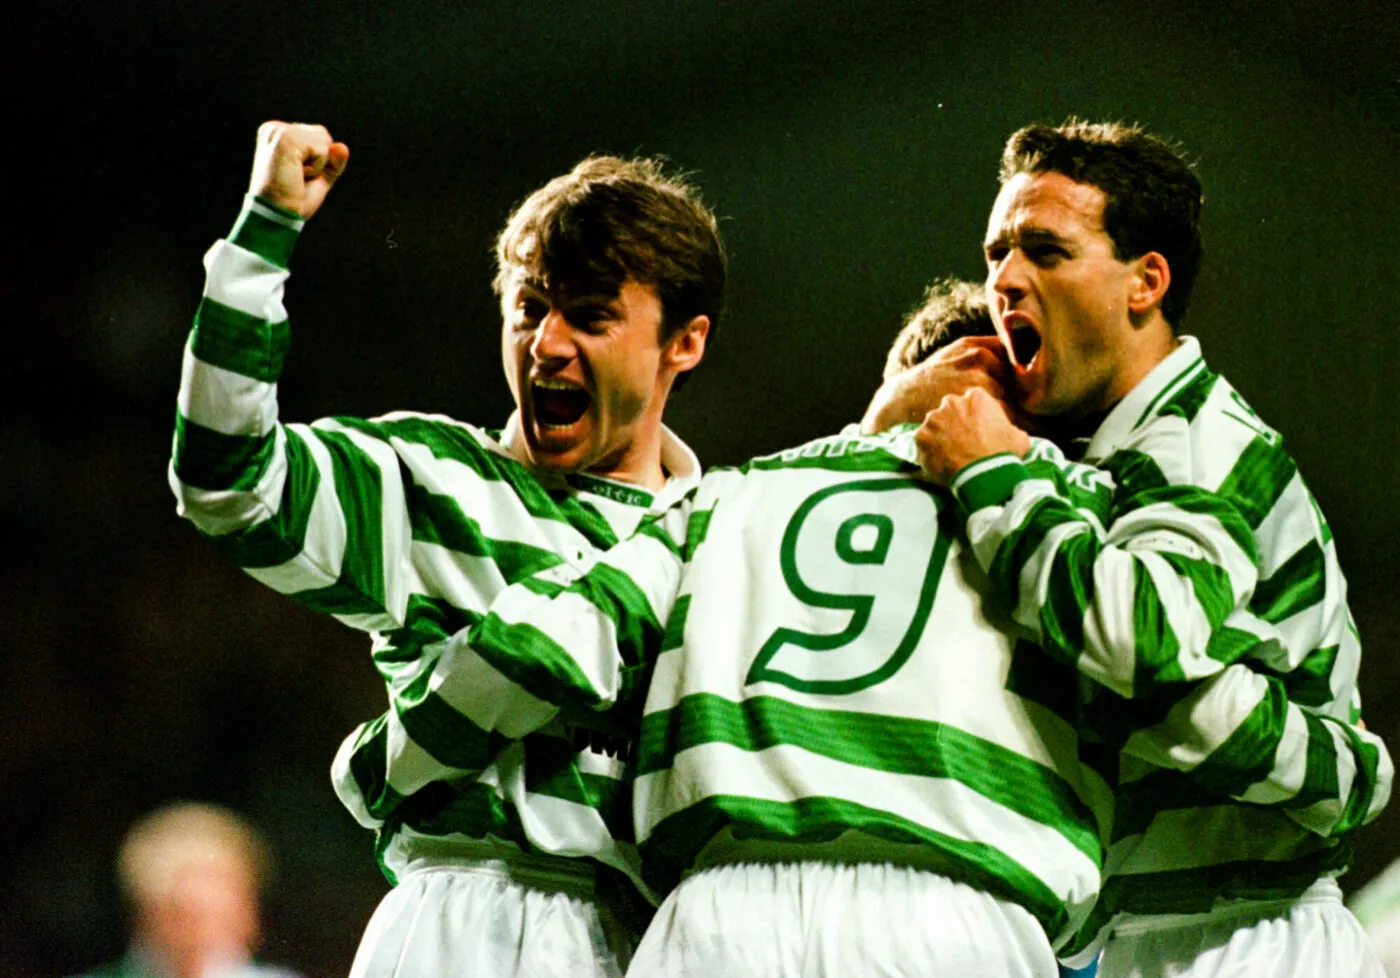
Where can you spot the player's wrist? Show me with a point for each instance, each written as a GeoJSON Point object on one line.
{"type": "Point", "coordinates": [989, 481]}
{"type": "Point", "coordinates": [267, 230]}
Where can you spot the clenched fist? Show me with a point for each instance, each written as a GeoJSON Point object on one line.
{"type": "Point", "coordinates": [295, 165]}
{"type": "Point", "coordinates": [963, 429]}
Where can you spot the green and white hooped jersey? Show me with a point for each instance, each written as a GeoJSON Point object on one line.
{"type": "Point", "coordinates": [405, 526]}
{"type": "Point", "coordinates": [1212, 617]}
{"type": "Point", "coordinates": [819, 668]}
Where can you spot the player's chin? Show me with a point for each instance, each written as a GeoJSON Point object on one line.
{"type": "Point", "coordinates": [560, 450]}
{"type": "Point", "coordinates": [1030, 397]}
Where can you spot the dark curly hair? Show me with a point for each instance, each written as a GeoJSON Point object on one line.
{"type": "Point", "coordinates": [1152, 198]}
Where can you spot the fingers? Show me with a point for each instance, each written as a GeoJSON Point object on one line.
{"type": "Point", "coordinates": [297, 139]}
{"type": "Point", "coordinates": [296, 164]}
{"type": "Point", "coordinates": [337, 159]}
{"type": "Point", "coordinates": [992, 343]}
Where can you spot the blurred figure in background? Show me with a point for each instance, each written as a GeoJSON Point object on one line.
{"type": "Point", "coordinates": [1377, 906]}
{"type": "Point", "coordinates": [192, 875]}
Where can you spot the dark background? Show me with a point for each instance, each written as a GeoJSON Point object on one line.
{"type": "Point", "coordinates": [851, 152]}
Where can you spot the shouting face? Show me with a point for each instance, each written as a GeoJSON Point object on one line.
{"type": "Point", "coordinates": [1062, 302]}
{"type": "Point", "coordinates": [590, 376]}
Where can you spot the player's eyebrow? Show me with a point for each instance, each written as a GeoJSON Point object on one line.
{"type": "Point", "coordinates": [539, 286]}
{"type": "Point", "coordinates": [1027, 235]}
{"type": "Point", "coordinates": [1039, 235]}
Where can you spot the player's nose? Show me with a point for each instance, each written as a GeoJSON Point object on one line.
{"type": "Point", "coordinates": [554, 338]}
{"type": "Point", "coordinates": [1008, 278]}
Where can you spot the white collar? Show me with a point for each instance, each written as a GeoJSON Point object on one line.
{"type": "Point", "coordinates": [677, 459]}
{"type": "Point", "coordinates": [1144, 400]}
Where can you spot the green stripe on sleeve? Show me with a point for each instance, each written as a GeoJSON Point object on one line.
{"type": "Point", "coordinates": [341, 598]}
{"type": "Point", "coordinates": [235, 341]}
{"type": "Point", "coordinates": [1194, 501]}
{"type": "Point", "coordinates": [269, 239]}
{"type": "Point", "coordinates": [1363, 789]}
{"type": "Point", "coordinates": [1321, 781]}
{"type": "Point", "coordinates": [1299, 584]}
{"type": "Point", "coordinates": [1134, 472]}
{"type": "Point", "coordinates": [1210, 585]}
{"type": "Point", "coordinates": [279, 538]}
{"type": "Point", "coordinates": [1156, 649]}
{"type": "Point", "coordinates": [442, 731]}
{"type": "Point", "coordinates": [1227, 644]}
{"type": "Point", "coordinates": [457, 443]}
{"type": "Point", "coordinates": [1248, 754]}
{"type": "Point", "coordinates": [369, 765]}
{"type": "Point", "coordinates": [534, 662]}
{"type": "Point", "coordinates": [208, 459]}
{"type": "Point", "coordinates": [359, 489]}
{"type": "Point", "coordinates": [989, 481]}
{"type": "Point", "coordinates": [617, 596]}
{"type": "Point", "coordinates": [1070, 590]}
{"type": "Point", "coordinates": [440, 519]}
{"type": "Point", "coordinates": [1258, 481]}
{"type": "Point", "coordinates": [1094, 495]}
{"type": "Point", "coordinates": [1310, 684]}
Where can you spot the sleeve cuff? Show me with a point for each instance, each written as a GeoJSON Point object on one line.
{"type": "Point", "coordinates": [989, 481]}
{"type": "Point", "coordinates": [268, 231]}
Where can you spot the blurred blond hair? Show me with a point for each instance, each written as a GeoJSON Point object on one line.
{"type": "Point", "coordinates": [185, 836]}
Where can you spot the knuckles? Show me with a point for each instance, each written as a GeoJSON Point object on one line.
{"type": "Point", "coordinates": [293, 137]}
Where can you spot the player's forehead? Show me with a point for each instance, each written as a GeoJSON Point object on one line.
{"type": "Point", "coordinates": [1047, 206]}
{"type": "Point", "coordinates": [528, 282]}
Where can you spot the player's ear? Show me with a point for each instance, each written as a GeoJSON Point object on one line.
{"type": "Point", "coordinates": [1152, 276]}
{"type": "Point", "coordinates": [686, 347]}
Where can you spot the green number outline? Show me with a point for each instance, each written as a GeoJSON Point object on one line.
{"type": "Point", "coordinates": [859, 604]}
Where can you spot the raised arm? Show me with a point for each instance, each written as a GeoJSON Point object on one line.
{"type": "Point", "coordinates": [314, 512]}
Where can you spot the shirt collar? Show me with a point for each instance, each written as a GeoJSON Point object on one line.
{"type": "Point", "coordinates": [680, 462]}
{"type": "Point", "coordinates": [1147, 398]}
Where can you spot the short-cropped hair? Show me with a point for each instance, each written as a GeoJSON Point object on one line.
{"type": "Point", "coordinates": [1152, 197]}
{"type": "Point", "coordinates": [951, 310]}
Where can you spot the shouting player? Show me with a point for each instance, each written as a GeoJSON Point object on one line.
{"type": "Point", "coordinates": [611, 279]}
{"type": "Point", "coordinates": [1209, 609]}
{"type": "Point", "coordinates": [833, 771]}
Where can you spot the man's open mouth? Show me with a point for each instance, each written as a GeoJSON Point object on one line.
{"type": "Point", "coordinates": [1025, 344]}
{"type": "Point", "coordinates": [558, 403]}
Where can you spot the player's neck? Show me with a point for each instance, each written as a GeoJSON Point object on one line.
{"type": "Point", "coordinates": [639, 463]}
{"type": "Point", "coordinates": [1151, 344]}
